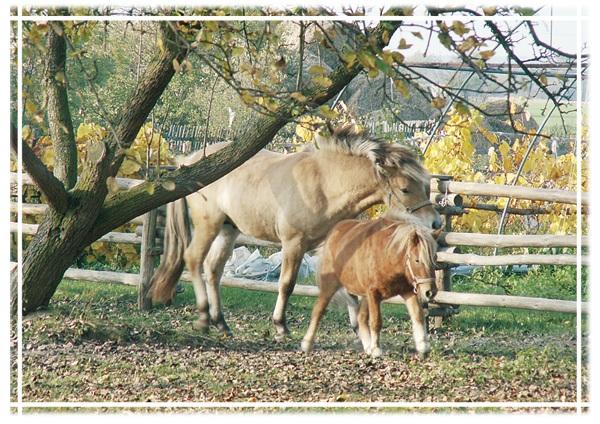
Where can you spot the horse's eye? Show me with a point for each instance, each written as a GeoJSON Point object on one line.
{"type": "Point", "coordinates": [404, 190]}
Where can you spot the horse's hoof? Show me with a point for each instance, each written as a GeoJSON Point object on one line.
{"type": "Point", "coordinates": [376, 352]}
{"type": "Point", "coordinates": [423, 355]}
{"type": "Point", "coordinates": [222, 327]}
{"type": "Point", "coordinates": [306, 346]}
{"type": "Point", "coordinates": [281, 337]}
{"type": "Point", "coordinates": [201, 326]}
{"type": "Point", "coordinates": [281, 333]}
{"type": "Point", "coordinates": [225, 332]}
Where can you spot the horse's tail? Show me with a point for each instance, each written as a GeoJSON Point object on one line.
{"type": "Point", "coordinates": [176, 240]}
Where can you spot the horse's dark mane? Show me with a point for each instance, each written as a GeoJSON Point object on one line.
{"type": "Point", "coordinates": [384, 156]}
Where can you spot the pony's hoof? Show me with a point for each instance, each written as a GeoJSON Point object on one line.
{"type": "Point", "coordinates": [376, 352]}
{"type": "Point", "coordinates": [306, 346]}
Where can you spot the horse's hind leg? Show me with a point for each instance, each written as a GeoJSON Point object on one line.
{"type": "Point", "coordinates": [204, 233]}
{"type": "Point", "coordinates": [328, 286]}
{"type": "Point", "coordinates": [219, 252]}
{"type": "Point", "coordinates": [292, 253]}
{"type": "Point", "coordinates": [418, 325]}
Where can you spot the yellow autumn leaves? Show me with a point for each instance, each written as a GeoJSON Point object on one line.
{"type": "Point", "coordinates": [454, 154]}
{"type": "Point", "coordinates": [146, 145]}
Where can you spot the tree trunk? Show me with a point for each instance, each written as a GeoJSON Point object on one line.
{"type": "Point", "coordinates": [65, 232]}
{"type": "Point", "coordinates": [59, 115]}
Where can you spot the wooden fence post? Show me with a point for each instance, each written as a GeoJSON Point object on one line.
{"type": "Point", "coordinates": [443, 277]}
{"type": "Point", "coordinates": [147, 254]}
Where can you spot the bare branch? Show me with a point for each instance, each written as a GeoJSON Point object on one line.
{"type": "Point", "coordinates": [46, 182]}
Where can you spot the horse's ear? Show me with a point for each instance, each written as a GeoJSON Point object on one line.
{"type": "Point", "coordinates": [436, 233]}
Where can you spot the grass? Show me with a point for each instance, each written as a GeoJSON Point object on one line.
{"type": "Point", "coordinates": [539, 109]}
{"type": "Point", "coordinates": [92, 344]}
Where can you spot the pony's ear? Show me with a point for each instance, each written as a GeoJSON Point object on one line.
{"type": "Point", "coordinates": [414, 238]}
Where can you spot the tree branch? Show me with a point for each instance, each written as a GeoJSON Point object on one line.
{"type": "Point", "coordinates": [124, 206]}
{"type": "Point", "coordinates": [157, 76]}
{"type": "Point", "coordinates": [511, 54]}
{"type": "Point", "coordinates": [46, 182]}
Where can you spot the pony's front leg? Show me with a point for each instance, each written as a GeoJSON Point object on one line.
{"type": "Point", "coordinates": [214, 264]}
{"type": "Point", "coordinates": [328, 285]}
{"type": "Point", "coordinates": [374, 302]}
{"type": "Point", "coordinates": [292, 253]}
{"type": "Point", "coordinates": [419, 324]}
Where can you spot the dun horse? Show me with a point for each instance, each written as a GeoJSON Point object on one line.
{"type": "Point", "coordinates": [377, 260]}
{"type": "Point", "coordinates": [294, 199]}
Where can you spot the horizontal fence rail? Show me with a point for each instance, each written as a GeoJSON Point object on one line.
{"type": "Point", "coordinates": [112, 237]}
{"type": "Point", "coordinates": [504, 260]}
{"type": "Point", "coordinates": [509, 240]}
{"type": "Point", "coordinates": [442, 297]}
{"type": "Point", "coordinates": [499, 190]}
{"type": "Point", "coordinates": [441, 257]}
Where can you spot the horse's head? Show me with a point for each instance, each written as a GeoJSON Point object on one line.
{"type": "Point", "coordinates": [420, 262]}
{"type": "Point", "coordinates": [406, 187]}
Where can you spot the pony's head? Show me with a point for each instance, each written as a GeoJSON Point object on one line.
{"type": "Point", "coordinates": [417, 247]}
{"type": "Point", "coordinates": [404, 182]}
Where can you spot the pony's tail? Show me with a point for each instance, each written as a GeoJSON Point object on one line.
{"type": "Point", "coordinates": [176, 240]}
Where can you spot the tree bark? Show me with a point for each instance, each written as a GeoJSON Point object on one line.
{"type": "Point", "coordinates": [59, 115]}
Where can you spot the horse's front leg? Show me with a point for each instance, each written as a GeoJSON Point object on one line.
{"type": "Point", "coordinates": [374, 302]}
{"type": "Point", "coordinates": [419, 324]}
{"type": "Point", "coordinates": [194, 259]}
{"type": "Point", "coordinates": [214, 264]}
{"type": "Point", "coordinates": [292, 253]}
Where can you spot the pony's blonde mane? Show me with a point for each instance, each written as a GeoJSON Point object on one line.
{"type": "Point", "coordinates": [384, 156]}
{"type": "Point", "coordinates": [403, 236]}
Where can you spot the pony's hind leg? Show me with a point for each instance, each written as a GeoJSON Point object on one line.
{"type": "Point", "coordinates": [353, 307]}
{"type": "Point", "coordinates": [418, 325]}
{"type": "Point", "coordinates": [204, 234]}
{"type": "Point", "coordinates": [362, 319]}
{"type": "Point", "coordinates": [374, 302]}
{"type": "Point", "coordinates": [219, 252]}
{"type": "Point", "coordinates": [328, 287]}
{"type": "Point", "coordinates": [292, 252]}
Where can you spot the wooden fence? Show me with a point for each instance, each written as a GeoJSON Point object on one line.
{"type": "Point", "coordinates": [150, 231]}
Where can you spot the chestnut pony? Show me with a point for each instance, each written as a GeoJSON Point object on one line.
{"type": "Point", "coordinates": [294, 199]}
{"type": "Point", "coordinates": [377, 260]}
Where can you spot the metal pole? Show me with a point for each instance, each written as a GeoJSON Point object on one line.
{"type": "Point", "coordinates": [502, 222]}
